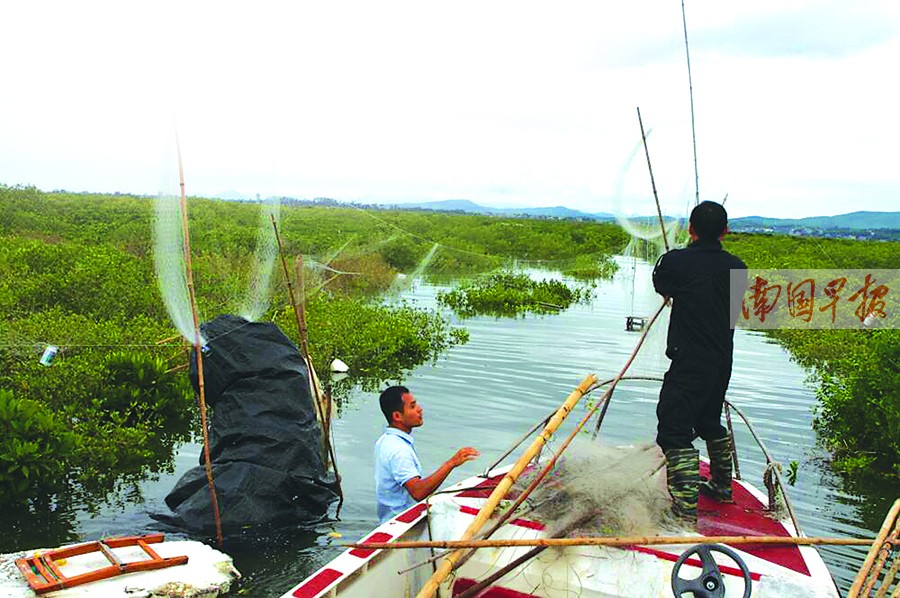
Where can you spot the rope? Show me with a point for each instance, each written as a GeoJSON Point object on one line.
{"type": "Point", "coordinates": [769, 462]}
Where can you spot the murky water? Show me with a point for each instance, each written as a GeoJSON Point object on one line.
{"type": "Point", "coordinates": [513, 373]}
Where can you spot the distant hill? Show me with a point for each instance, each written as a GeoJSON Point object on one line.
{"type": "Point", "coordinates": [232, 195]}
{"type": "Point", "coordinates": [448, 205]}
{"type": "Point", "coordinates": [852, 221]}
{"type": "Point", "coordinates": [464, 205]}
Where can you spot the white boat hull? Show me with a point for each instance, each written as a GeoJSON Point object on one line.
{"type": "Point", "coordinates": [587, 571]}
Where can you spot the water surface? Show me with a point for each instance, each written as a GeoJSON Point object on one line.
{"type": "Point", "coordinates": [514, 372]}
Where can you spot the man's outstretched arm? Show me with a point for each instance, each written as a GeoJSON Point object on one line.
{"type": "Point", "coordinates": [419, 488]}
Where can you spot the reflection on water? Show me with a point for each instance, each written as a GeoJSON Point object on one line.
{"type": "Point", "coordinates": [512, 373]}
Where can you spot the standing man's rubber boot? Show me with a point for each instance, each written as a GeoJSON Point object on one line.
{"type": "Point", "coordinates": [683, 477]}
{"type": "Point", "coordinates": [718, 486]}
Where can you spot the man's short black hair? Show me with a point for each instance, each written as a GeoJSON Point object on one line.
{"type": "Point", "coordinates": [709, 220]}
{"type": "Point", "coordinates": [391, 400]}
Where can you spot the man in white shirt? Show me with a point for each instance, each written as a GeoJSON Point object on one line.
{"type": "Point", "coordinates": [398, 474]}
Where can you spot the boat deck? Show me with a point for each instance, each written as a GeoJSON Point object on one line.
{"type": "Point", "coordinates": [587, 571]}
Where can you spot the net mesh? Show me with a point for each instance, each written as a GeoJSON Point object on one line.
{"type": "Point", "coordinates": [259, 294]}
{"type": "Point", "coordinates": [598, 490]}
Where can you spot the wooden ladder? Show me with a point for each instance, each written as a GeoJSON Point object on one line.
{"type": "Point", "coordinates": [43, 574]}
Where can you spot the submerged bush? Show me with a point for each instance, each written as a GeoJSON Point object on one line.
{"type": "Point", "coordinates": [509, 294]}
{"type": "Point", "coordinates": [591, 267]}
{"type": "Point", "coordinates": [858, 413]}
{"type": "Point", "coordinates": [856, 372]}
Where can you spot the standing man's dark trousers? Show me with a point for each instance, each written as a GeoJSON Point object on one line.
{"type": "Point", "coordinates": [690, 403]}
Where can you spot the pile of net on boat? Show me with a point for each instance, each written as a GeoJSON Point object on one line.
{"type": "Point", "coordinates": [597, 490]}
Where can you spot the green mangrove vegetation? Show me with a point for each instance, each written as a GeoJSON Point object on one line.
{"type": "Point", "coordinates": [511, 294]}
{"type": "Point", "coordinates": [590, 267]}
{"type": "Point", "coordinates": [76, 271]}
{"type": "Point", "coordinates": [856, 373]}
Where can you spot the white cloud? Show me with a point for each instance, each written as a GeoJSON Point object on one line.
{"type": "Point", "coordinates": [515, 103]}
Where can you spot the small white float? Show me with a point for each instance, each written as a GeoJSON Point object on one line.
{"type": "Point", "coordinates": [339, 367]}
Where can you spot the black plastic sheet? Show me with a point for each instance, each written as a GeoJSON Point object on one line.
{"type": "Point", "coordinates": [265, 441]}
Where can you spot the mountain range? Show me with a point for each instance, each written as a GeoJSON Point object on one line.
{"type": "Point", "coordinates": [851, 221]}
{"type": "Point", "coordinates": [470, 207]}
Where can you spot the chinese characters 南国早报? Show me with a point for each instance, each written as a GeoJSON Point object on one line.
{"type": "Point", "coordinates": [821, 298]}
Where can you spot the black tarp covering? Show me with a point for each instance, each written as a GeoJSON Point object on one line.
{"type": "Point", "coordinates": [265, 441]}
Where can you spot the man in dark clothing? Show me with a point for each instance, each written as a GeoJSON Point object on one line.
{"type": "Point", "coordinates": [700, 342]}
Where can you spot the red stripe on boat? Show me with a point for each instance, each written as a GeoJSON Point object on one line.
{"type": "Point", "coordinates": [477, 492]}
{"type": "Point", "coordinates": [463, 583]}
{"type": "Point", "coordinates": [487, 485]}
{"type": "Point", "coordinates": [317, 583]}
{"type": "Point", "coordinates": [367, 552]}
{"type": "Point", "coordinates": [527, 523]}
{"type": "Point", "coordinates": [411, 514]}
{"type": "Point", "coordinates": [668, 556]}
{"type": "Point", "coordinates": [747, 517]}
{"type": "Point", "coordinates": [468, 510]}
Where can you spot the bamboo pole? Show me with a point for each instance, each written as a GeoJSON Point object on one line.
{"type": "Point", "coordinates": [491, 579]}
{"type": "Point", "coordinates": [604, 401]}
{"type": "Point", "coordinates": [653, 183]}
{"type": "Point", "coordinates": [866, 569]}
{"type": "Point", "coordinates": [323, 400]}
{"type": "Point", "coordinates": [544, 421]}
{"type": "Point", "coordinates": [327, 449]}
{"type": "Point", "coordinates": [889, 579]}
{"type": "Point", "coordinates": [198, 349]}
{"type": "Point", "coordinates": [884, 553]}
{"type": "Point", "coordinates": [615, 541]}
{"type": "Point", "coordinates": [687, 53]}
{"type": "Point", "coordinates": [506, 483]}
{"type": "Point", "coordinates": [301, 324]}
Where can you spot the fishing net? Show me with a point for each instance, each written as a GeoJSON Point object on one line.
{"type": "Point", "coordinates": [169, 261]}
{"type": "Point", "coordinates": [598, 490]}
{"type": "Point", "coordinates": [258, 294]}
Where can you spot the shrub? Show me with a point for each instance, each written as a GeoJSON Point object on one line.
{"type": "Point", "coordinates": [508, 294]}
{"type": "Point", "coordinates": [379, 342]}
{"type": "Point", "coordinates": [36, 450]}
{"type": "Point", "coordinates": [591, 267]}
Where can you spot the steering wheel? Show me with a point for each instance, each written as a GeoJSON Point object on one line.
{"type": "Point", "coordinates": [710, 583]}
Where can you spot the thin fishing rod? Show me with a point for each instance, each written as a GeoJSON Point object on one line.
{"type": "Point", "coordinates": [691, 88]}
{"type": "Point", "coordinates": [662, 224]}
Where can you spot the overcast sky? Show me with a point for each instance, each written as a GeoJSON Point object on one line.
{"type": "Point", "coordinates": [503, 103]}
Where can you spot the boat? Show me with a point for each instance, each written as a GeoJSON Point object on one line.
{"type": "Point", "coordinates": [133, 567]}
{"type": "Point", "coordinates": [718, 555]}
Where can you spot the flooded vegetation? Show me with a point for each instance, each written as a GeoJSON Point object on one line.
{"type": "Point", "coordinates": [91, 443]}
{"type": "Point", "coordinates": [510, 294]}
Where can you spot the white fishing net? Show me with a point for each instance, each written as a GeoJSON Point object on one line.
{"type": "Point", "coordinates": [169, 261]}
{"type": "Point", "coordinates": [259, 294]}
{"type": "Point", "coordinates": [598, 490]}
